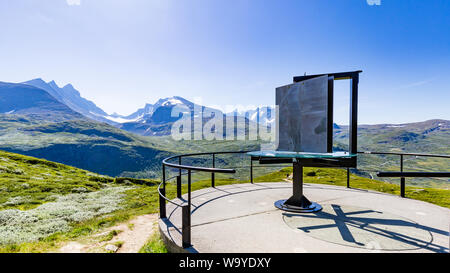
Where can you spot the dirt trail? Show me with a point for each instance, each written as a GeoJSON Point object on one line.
{"type": "Point", "coordinates": [131, 238]}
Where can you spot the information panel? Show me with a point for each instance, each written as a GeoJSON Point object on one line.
{"type": "Point", "coordinates": [303, 115]}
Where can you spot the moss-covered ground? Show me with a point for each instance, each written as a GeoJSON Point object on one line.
{"type": "Point", "coordinates": [27, 184]}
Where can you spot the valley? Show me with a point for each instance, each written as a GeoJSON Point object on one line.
{"type": "Point", "coordinates": [43, 120]}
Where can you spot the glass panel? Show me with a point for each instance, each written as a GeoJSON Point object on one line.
{"type": "Point", "coordinates": [286, 154]}
{"type": "Point", "coordinates": [303, 116]}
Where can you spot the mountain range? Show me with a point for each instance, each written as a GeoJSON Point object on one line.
{"type": "Point", "coordinates": [41, 119]}
{"type": "Point", "coordinates": [23, 99]}
{"type": "Point", "coordinates": [157, 119]}
{"type": "Point", "coordinates": [151, 120]}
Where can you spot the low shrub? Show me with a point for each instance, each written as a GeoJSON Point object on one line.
{"type": "Point", "coordinates": [17, 226]}
{"type": "Point", "coordinates": [128, 180]}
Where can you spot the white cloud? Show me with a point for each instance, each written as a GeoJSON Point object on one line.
{"type": "Point", "coordinates": [418, 83]}
{"type": "Point", "coordinates": [73, 2]}
{"type": "Point", "coordinates": [374, 2]}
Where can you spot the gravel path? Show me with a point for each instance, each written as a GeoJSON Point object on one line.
{"type": "Point", "coordinates": [134, 234]}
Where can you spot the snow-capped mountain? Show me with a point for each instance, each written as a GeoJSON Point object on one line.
{"type": "Point", "coordinates": [153, 119]}
{"type": "Point", "coordinates": [146, 110]}
{"type": "Point", "coordinates": [263, 114]}
{"type": "Point", "coordinates": [157, 119]}
{"type": "Point", "coordinates": [158, 111]}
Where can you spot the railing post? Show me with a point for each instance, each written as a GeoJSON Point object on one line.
{"type": "Point", "coordinates": [189, 188]}
{"type": "Point", "coordinates": [402, 179]}
{"type": "Point", "coordinates": [213, 175]}
{"type": "Point", "coordinates": [251, 170]}
{"type": "Point", "coordinates": [179, 179]}
{"type": "Point", "coordinates": [162, 201]}
{"type": "Point", "coordinates": [162, 205]}
{"type": "Point", "coordinates": [186, 217]}
{"type": "Point", "coordinates": [179, 186]}
{"type": "Point", "coordinates": [186, 228]}
{"type": "Point", "coordinates": [348, 177]}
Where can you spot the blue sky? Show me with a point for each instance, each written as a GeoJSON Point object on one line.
{"type": "Point", "coordinates": [122, 54]}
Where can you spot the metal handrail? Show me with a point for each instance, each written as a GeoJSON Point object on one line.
{"type": "Point", "coordinates": [186, 208]}
{"type": "Point", "coordinates": [192, 168]}
{"type": "Point", "coordinates": [163, 196]}
{"type": "Point", "coordinates": [201, 169]}
{"type": "Point", "coordinates": [406, 154]}
{"type": "Point", "coordinates": [413, 174]}
{"type": "Point", "coordinates": [402, 174]}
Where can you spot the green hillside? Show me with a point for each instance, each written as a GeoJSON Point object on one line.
{"type": "Point", "coordinates": [432, 136]}
{"type": "Point", "coordinates": [43, 203]}
{"type": "Point", "coordinates": [89, 145]}
{"type": "Point", "coordinates": [104, 149]}
{"type": "Point", "coordinates": [99, 147]}
{"type": "Point", "coordinates": [338, 177]}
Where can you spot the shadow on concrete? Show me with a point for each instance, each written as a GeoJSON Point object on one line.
{"type": "Point", "coordinates": [343, 220]}
{"type": "Point", "coordinates": [172, 243]}
{"type": "Point", "coordinates": [244, 189]}
{"type": "Point", "coordinates": [344, 223]}
{"type": "Point", "coordinates": [262, 187]}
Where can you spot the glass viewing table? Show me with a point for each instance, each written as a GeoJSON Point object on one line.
{"type": "Point", "coordinates": [298, 202]}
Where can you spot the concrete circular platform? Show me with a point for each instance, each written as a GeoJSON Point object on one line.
{"type": "Point", "coordinates": [242, 218]}
{"type": "Point", "coordinates": [361, 227]}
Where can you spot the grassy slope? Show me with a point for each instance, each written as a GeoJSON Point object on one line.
{"type": "Point", "coordinates": [431, 136]}
{"type": "Point", "coordinates": [93, 146]}
{"type": "Point", "coordinates": [99, 147]}
{"type": "Point", "coordinates": [338, 177]}
{"type": "Point", "coordinates": [104, 149]}
{"type": "Point", "coordinates": [38, 180]}
{"type": "Point", "coordinates": [26, 183]}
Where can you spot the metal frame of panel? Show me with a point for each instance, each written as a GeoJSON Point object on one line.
{"type": "Point", "coordinates": [353, 76]}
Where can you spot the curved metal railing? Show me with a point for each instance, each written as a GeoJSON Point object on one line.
{"type": "Point", "coordinates": [402, 175]}
{"type": "Point", "coordinates": [186, 205]}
